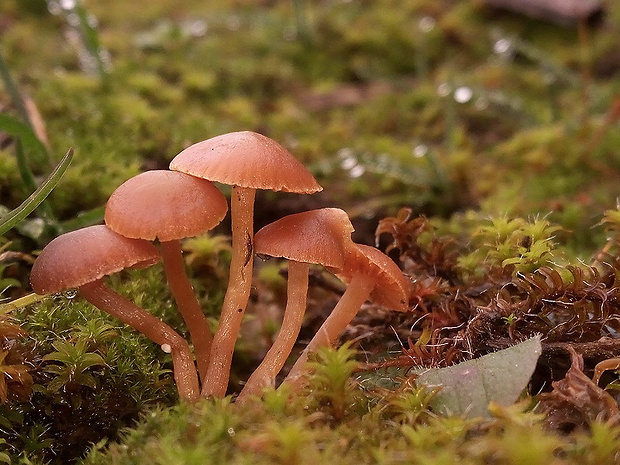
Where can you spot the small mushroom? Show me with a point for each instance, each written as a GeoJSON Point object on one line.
{"type": "Point", "coordinates": [370, 274]}
{"type": "Point", "coordinates": [169, 206]}
{"type": "Point", "coordinates": [314, 237]}
{"type": "Point", "coordinates": [81, 259]}
{"type": "Point", "coordinates": [247, 161]}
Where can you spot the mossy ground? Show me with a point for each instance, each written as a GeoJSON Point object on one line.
{"type": "Point", "coordinates": [470, 116]}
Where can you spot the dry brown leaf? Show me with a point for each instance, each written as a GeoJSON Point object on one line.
{"type": "Point", "coordinates": [576, 400]}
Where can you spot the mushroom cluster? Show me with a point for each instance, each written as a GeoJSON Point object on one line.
{"type": "Point", "coordinates": [148, 215]}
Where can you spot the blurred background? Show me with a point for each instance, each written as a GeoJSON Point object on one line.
{"type": "Point", "coordinates": [447, 107]}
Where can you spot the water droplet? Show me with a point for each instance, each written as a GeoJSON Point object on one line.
{"type": "Point", "coordinates": [463, 94]}
{"type": "Point", "coordinates": [106, 58]}
{"type": "Point", "coordinates": [197, 28]}
{"type": "Point", "coordinates": [233, 23]}
{"type": "Point", "coordinates": [53, 7]}
{"type": "Point", "coordinates": [502, 46]}
{"type": "Point", "coordinates": [348, 163]}
{"type": "Point", "coordinates": [549, 78]}
{"type": "Point", "coordinates": [92, 21]}
{"type": "Point", "coordinates": [67, 4]}
{"type": "Point", "coordinates": [444, 89]}
{"type": "Point", "coordinates": [357, 171]}
{"type": "Point", "coordinates": [420, 150]}
{"type": "Point", "coordinates": [73, 20]}
{"type": "Point", "coordinates": [291, 141]}
{"type": "Point", "coordinates": [481, 104]}
{"type": "Point", "coordinates": [231, 432]}
{"type": "Point", "coordinates": [368, 214]}
{"type": "Point", "coordinates": [70, 293]}
{"type": "Point", "coordinates": [289, 33]}
{"type": "Point", "coordinates": [426, 24]}
{"type": "Point", "coordinates": [166, 348]}
{"type": "Point", "coordinates": [345, 152]}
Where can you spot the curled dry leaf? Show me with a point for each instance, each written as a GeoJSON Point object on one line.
{"type": "Point", "coordinates": [38, 124]}
{"type": "Point", "coordinates": [576, 400]}
{"type": "Point", "coordinates": [602, 367]}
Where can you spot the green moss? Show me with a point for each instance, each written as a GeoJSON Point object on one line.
{"type": "Point", "coordinates": [289, 429]}
{"type": "Point", "coordinates": [270, 275]}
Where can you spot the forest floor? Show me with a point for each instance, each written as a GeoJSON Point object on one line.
{"type": "Point", "coordinates": [478, 147]}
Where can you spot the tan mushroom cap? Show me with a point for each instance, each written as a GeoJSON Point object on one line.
{"type": "Point", "coordinates": [164, 205]}
{"type": "Point", "coordinates": [85, 255]}
{"type": "Point", "coordinates": [316, 236]}
{"type": "Point", "coordinates": [246, 159]}
{"type": "Point", "coordinates": [391, 285]}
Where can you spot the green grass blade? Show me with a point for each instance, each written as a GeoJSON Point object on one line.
{"type": "Point", "coordinates": [29, 181]}
{"type": "Point", "coordinates": [90, 37]}
{"type": "Point", "coordinates": [15, 216]}
{"type": "Point", "coordinates": [20, 303]}
{"type": "Point", "coordinates": [11, 88]}
{"type": "Point", "coordinates": [22, 165]}
{"type": "Point", "coordinates": [24, 132]}
{"type": "Point", "coordinates": [83, 219]}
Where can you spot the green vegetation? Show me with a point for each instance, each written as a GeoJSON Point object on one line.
{"type": "Point", "coordinates": [499, 133]}
{"type": "Point", "coordinates": [378, 427]}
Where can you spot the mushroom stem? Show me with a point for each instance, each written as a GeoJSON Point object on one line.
{"type": "Point", "coordinates": [265, 374]}
{"type": "Point", "coordinates": [104, 298]}
{"type": "Point", "coordinates": [237, 294]}
{"type": "Point", "coordinates": [357, 293]}
{"type": "Point", "coordinates": [187, 303]}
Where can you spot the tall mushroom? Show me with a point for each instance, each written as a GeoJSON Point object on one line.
{"type": "Point", "coordinates": [370, 274]}
{"type": "Point", "coordinates": [81, 259]}
{"type": "Point", "coordinates": [318, 237]}
{"type": "Point", "coordinates": [169, 206]}
{"type": "Point", "coordinates": [247, 161]}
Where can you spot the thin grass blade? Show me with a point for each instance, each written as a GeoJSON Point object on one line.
{"type": "Point", "coordinates": [35, 199]}
{"type": "Point", "coordinates": [83, 219]}
{"type": "Point", "coordinates": [26, 135]}
{"type": "Point", "coordinates": [11, 88]}
{"type": "Point", "coordinates": [21, 303]}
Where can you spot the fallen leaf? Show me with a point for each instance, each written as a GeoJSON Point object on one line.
{"type": "Point", "coordinates": [468, 387]}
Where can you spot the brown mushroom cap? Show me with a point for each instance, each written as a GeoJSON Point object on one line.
{"type": "Point", "coordinates": [79, 257]}
{"type": "Point", "coordinates": [166, 205]}
{"type": "Point", "coordinates": [391, 285]}
{"type": "Point", "coordinates": [246, 159]}
{"type": "Point", "coordinates": [316, 236]}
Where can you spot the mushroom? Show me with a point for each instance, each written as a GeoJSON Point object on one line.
{"type": "Point", "coordinates": [312, 237]}
{"type": "Point", "coordinates": [80, 259]}
{"type": "Point", "coordinates": [247, 161]}
{"type": "Point", "coordinates": [169, 206]}
{"type": "Point", "coordinates": [370, 274]}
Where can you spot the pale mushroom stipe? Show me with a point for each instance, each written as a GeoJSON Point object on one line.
{"type": "Point", "coordinates": [370, 274]}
